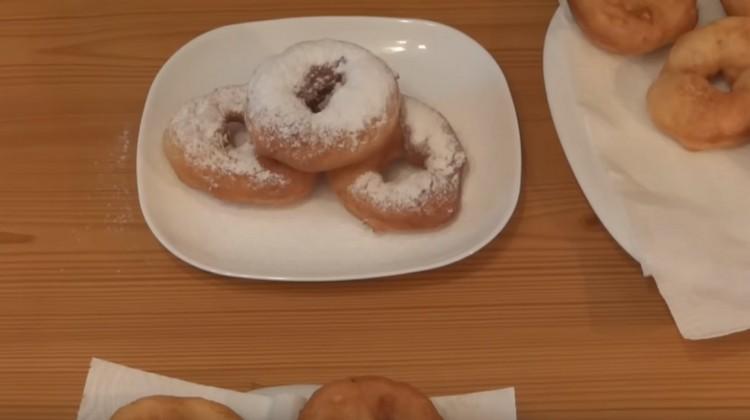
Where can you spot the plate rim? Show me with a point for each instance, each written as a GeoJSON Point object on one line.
{"type": "Point", "coordinates": [554, 89]}
{"type": "Point", "coordinates": [501, 221]}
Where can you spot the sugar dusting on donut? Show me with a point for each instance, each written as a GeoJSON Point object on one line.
{"type": "Point", "coordinates": [324, 86]}
{"type": "Point", "coordinates": [430, 134]}
{"type": "Point", "coordinates": [200, 128]}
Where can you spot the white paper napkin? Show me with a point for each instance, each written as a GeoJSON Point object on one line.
{"type": "Point", "coordinates": [497, 404]}
{"type": "Point", "coordinates": [286, 407]}
{"type": "Point", "coordinates": [110, 386]}
{"type": "Point", "coordinates": [689, 212]}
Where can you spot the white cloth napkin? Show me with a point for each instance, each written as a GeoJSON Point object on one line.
{"type": "Point", "coordinates": [689, 213]}
{"type": "Point", "coordinates": [110, 386]}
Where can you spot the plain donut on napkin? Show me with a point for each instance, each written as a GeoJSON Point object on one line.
{"type": "Point", "coordinates": [736, 7]}
{"type": "Point", "coordinates": [160, 407]}
{"type": "Point", "coordinates": [633, 27]}
{"type": "Point", "coordinates": [369, 398]}
{"type": "Point", "coordinates": [683, 102]}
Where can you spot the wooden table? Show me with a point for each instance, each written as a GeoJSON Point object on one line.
{"type": "Point", "coordinates": [552, 306]}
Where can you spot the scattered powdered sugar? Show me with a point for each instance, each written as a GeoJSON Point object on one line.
{"type": "Point", "coordinates": [114, 192]}
{"type": "Point", "coordinates": [200, 130]}
{"type": "Point", "coordinates": [124, 141]}
{"type": "Point", "coordinates": [430, 134]}
{"type": "Point", "coordinates": [121, 207]}
{"type": "Point", "coordinates": [359, 94]}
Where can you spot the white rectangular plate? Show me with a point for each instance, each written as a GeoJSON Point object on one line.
{"type": "Point", "coordinates": [318, 240]}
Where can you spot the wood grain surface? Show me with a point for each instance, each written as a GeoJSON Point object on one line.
{"type": "Point", "coordinates": [552, 306]}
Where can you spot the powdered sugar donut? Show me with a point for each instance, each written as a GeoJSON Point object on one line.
{"type": "Point", "coordinates": [321, 105]}
{"type": "Point", "coordinates": [428, 196]}
{"type": "Point", "coordinates": [198, 145]}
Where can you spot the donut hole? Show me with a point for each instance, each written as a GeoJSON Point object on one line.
{"type": "Point", "coordinates": [403, 166]}
{"type": "Point", "coordinates": [721, 83]}
{"type": "Point", "coordinates": [398, 170]}
{"type": "Point", "coordinates": [319, 85]}
{"type": "Point", "coordinates": [236, 132]}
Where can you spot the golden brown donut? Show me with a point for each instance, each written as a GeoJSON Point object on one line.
{"type": "Point", "coordinates": [198, 146]}
{"type": "Point", "coordinates": [322, 105]}
{"type": "Point", "coordinates": [174, 408]}
{"type": "Point", "coordinates": [634, 27]}
{"type": "Point", "coordinates": [368, 398]}
{"type": "Point", "coordinates": [685, 104]}
{"type": "Point", "coordinates": [428, 197]}
{"type": "Point", "coordinates": [736, 7]}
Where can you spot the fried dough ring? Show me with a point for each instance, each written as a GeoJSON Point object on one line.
{"type": "Point", "coordinates": [198, 147]}
{"type": "Point", "coordinates": [634, 27]}
{"type": "Point", "coordinates": [322, 105]}
{"type": "Point", "coordinates": [368, 398]}
{"type": "Point", "coordinates": [161, 407]}
{"type": "Point", "coordinates": [429, 197]}
{"type": "Point", "coordinates": [736, 7]}
{"type": "Point", "coordinates": [685, 104]}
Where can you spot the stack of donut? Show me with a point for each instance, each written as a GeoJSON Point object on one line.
{"type": "Point", "coordinates": [321, 107]}
{"type": "Point", "coordinates": [684, 102]}
{"type": "Point", "coordinates": [359, 398]}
